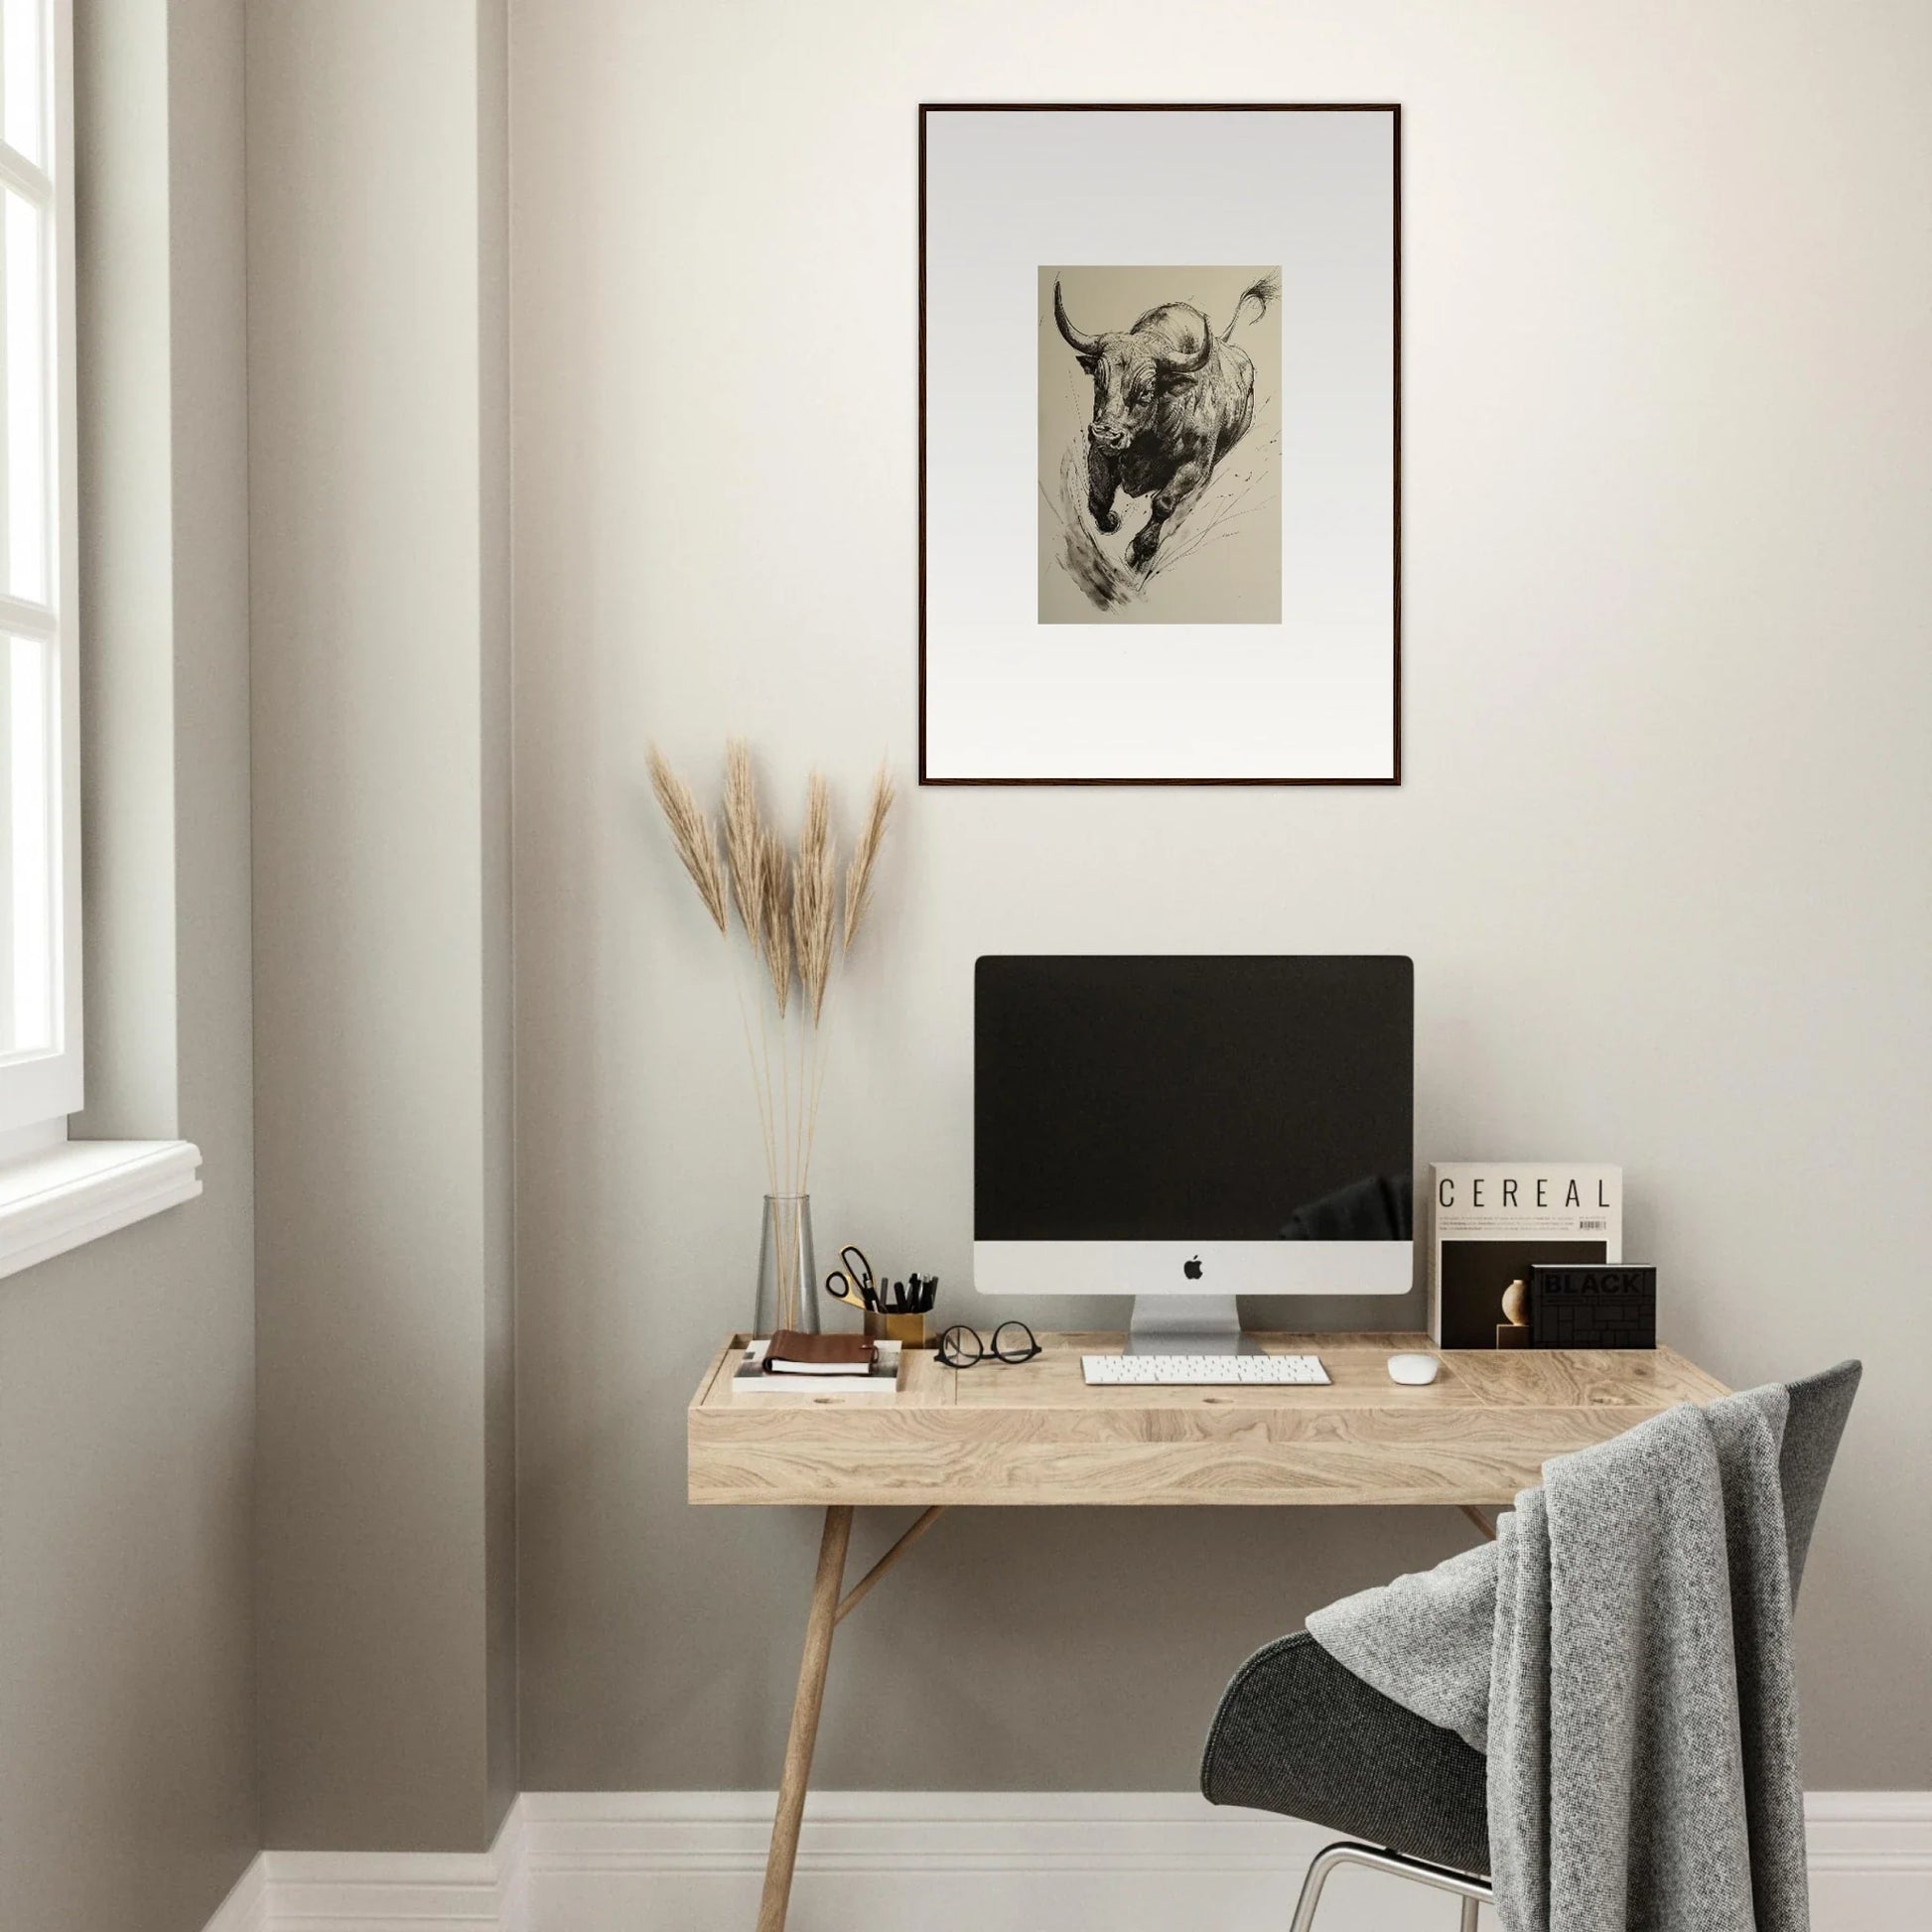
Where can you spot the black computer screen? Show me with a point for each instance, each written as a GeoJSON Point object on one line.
{"type": "Point", "coordinates": [1226, 1098]}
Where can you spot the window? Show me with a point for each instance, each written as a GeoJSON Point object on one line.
{"type": "Point", "coordinates": [55, 1192]}
{"type": "Point", "coordinates": [40, 820]}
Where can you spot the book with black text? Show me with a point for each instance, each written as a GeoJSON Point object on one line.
{"type": "Point", "coordinates": [1490, 1221]}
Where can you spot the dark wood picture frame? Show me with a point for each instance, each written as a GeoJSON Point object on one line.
{"type": "Point", "coordinates": [1394, 110]}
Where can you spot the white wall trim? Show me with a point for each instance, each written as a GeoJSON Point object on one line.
{"type": "Point", "coordinates": [947, 1861]}
{"type": "Point", "coordinates": [1871, 1833]}
{"type": "Point", "coordinates": [955, 1831]}
{"type": "Point", "coordinates": [79, 1191]}
{"type": "Point", "coordinates": [401, 1892]}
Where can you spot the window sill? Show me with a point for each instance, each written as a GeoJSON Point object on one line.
{"type": "Point", "coordinates": [81, 1190]}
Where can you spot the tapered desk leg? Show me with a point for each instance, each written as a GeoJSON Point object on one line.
{"type": "Point", "coordinates": [797, 1773]}
{"type": "Point", "coordinates": [1478, 1519]}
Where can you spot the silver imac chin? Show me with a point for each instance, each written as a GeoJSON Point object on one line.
{"type": "Point", "coordinates": [1184, 1295]}
{"type": "Point", "coordinates": [1186, 1129]}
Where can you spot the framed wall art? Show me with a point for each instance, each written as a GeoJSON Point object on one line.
{"type": "Point", "coordinates": [1158, 445]}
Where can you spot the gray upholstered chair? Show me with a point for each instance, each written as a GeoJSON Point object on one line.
{"type": "Point", "coordinates": [1298, 1733]}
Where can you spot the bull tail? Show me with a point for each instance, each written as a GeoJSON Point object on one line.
{"type": "Point", "coordinates": [1268, 289]}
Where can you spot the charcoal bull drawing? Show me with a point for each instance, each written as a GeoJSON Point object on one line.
{"type": "Point", "coordinates": [1170, 399]}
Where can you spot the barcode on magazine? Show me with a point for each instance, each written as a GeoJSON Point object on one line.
{"type": "Point", "coordinates": [1598, 1226]}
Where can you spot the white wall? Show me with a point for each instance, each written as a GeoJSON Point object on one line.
{"type": "Point", "coordinates": [1660, 855]}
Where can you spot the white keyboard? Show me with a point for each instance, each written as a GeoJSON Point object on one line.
{"type": "Point", "coordinates": [1202, 1371]}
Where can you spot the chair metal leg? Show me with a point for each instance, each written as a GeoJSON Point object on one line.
{"type": "Point", "coordinates": [1324, 1863]}
{"type": "Point", "coordinates": [1473, 1892]}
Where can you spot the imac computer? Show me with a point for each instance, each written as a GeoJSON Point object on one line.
{"type": "Point", "coordinates": [1189, 1129]}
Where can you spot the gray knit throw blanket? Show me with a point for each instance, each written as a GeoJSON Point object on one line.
{"type": "Point", "coordinates": [1623, 1652]}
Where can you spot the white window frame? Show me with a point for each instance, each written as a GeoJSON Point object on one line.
{"type": "Point", "coordinates": [57, 1193]}
{"type": "Point", "coordinates": [37, 1090]}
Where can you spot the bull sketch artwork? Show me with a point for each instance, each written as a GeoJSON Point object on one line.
{"type": "Point", "coordinates": [1172, 400]}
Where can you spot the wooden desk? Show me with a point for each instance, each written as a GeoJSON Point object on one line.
{"type": "Point", "coordinates": [1034, 1433]}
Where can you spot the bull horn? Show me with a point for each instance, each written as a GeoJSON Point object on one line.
{"type": "Point", "coordinates": [1081, 345]}
{"type": "Point", "coordinates": [1191, 364]}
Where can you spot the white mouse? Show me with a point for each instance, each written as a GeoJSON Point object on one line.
{"type": "Point", "coordinates": [1412, 1369]}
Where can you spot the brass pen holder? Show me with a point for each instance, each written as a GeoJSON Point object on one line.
{"type": "Point", "coordinates": [908, 1329]}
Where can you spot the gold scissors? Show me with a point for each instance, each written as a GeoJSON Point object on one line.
{"type": "Point", "coordinates": [853, 1282]}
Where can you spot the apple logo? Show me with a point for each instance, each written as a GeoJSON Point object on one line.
{"type": "Point", "coordinates": [1192, 1269]}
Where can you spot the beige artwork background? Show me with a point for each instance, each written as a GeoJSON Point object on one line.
{"type": "Point", "coordinates": [1222, 563]}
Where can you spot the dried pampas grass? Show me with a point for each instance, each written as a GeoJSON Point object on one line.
{"type": "Point", "coordinates": [692, 835]}
{"type": "Point", "coordinates": [814, 897]}
{"type": "Point", "coordinates": [787, 905]}
{"type": "Point", "coordinates": [745, 839]}
{"type": "Point", "coordinates": [774, 918]}
{"type": "Point", "coordinates": [865, 854]}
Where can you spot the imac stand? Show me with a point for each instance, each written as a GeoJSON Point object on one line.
{"type": "Point", "coordinates": [1186, 1324]}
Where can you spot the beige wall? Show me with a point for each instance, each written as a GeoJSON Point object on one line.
{"type": "Point", "coordinates": [1660, 856]}
{"type": "Point", "coordinates": [377, 418]}
{"type": "Point", "coordinates": [126, 1368]}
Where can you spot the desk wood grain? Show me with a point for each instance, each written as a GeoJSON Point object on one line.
{"type": "Point", "coordinates": [1034, 1433]}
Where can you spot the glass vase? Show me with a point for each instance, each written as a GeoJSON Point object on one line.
{"type": "Point", "coordinates": [787, 1271]}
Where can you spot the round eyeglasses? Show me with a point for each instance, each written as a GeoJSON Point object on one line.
{"type": "Point", "coordinates": [1013, 1342]}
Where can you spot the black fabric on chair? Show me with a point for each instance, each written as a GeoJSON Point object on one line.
{"type": "Point", "coordinates": [1299, 1733]}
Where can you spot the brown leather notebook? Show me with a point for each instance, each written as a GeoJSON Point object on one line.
{"type": "Point", "coordinates": [793, 1353]}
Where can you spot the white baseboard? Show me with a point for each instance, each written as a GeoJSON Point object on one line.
{"type": "Point", "coordinates": [955, 1861]}
{"type": "Point", "coordinates": [1871, 1860]}
{"type": "Point", "coordinates": [385, 1891]}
